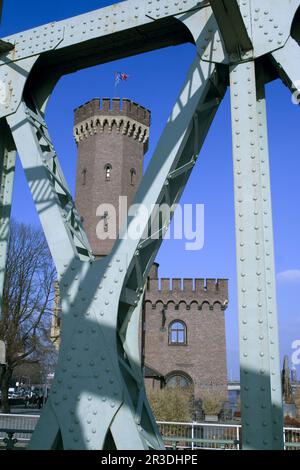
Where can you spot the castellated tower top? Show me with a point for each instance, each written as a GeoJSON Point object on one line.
{"type": "Point", "coordinates": [112, 138]}
{"type": "Point", "coordinates": [128, 117]}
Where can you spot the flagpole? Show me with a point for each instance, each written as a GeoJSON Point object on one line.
{"type": "Point", "coordinates": [119, 77]}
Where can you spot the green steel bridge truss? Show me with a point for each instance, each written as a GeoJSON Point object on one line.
{"type": "Point", "coordinates": [98, 399]}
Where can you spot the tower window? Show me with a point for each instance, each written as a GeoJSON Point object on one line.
{"type": "Point", "coordinates": [132, 176]}
{"type": "Point", "coordinates": [107, 169]}
{"type": "Point", "coordinates": [105, 218]}
{"type": "Point", "coordinates": [177, 332]}
{"type": "Point", "coordinates": [84, 176]}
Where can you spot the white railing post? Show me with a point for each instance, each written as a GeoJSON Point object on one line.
{"type": "Point", "coordinates": [193, 436]}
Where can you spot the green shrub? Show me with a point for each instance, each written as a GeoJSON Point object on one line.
{"type": "Point", "coordinates": [212, 400]}
{"type": "Point", "coordinates": [172, 404]}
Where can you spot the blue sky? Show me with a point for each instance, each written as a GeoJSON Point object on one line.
{"type": "Point", "coordinates": [155, 81]}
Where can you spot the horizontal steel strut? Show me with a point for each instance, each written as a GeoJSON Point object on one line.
{"type": "Point", "coordinates": [98, 389]}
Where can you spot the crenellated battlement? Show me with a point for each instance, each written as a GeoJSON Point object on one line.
{"type": "Point", "coordinates": [113, 107]}
{"type": "Point", "coordinates": [188, 291]}
{"type": "Point", "coordinates": [125, 116]}
{"type": "Point", "coordinates": [188, 285]}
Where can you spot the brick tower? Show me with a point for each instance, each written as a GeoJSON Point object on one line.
{"type": "Point", "coordinates": [112, 138]}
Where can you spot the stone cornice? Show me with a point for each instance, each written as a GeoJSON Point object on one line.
{"type": "Point", "coordinates": [123, 124]}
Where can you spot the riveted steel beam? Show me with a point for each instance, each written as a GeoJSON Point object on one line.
{"type": "Point", "coordinates": [65, 235]}
{"type": "Point", "coordinates": [122, 18]}
{"type": "Point", "coordinates": [7, 172]}
{"type": "Point", "coordinates": [259, 354]}
{"type": "Point", "coordinates": [232, 26]}
{"type": "Point", "coordinates": [286, 62]}
{"type": "Point", "coordinates": [271, 303]}
{"type": "Point", "coordinates": [69, 45]}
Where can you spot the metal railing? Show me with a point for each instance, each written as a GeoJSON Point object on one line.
{"type": "Point", "coordinates": [10, 441]}
{"type": "Point", "coordinates": [214, 436]}
{"type": "Point", "coordinates": [16, 430]}
{"type": "Point", "coordinates": [291, 438]}
{"type": "Point", "coordinates": [200, 435]}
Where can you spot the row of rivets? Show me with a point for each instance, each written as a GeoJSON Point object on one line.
{"type": "Point", "coordinates": [269, 250]}
{"type": "Point", "coordinates": [246, 166]}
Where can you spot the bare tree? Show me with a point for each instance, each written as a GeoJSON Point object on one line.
{"type": "Point", "coordinates": [27, 301]}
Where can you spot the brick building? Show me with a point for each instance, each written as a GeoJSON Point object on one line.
{"type": "Point", "coordinates": [182, 325]}
{"type": "Point", "coordinates": [185, 330]}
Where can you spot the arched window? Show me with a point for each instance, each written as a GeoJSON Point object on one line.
{"type": "Point", "coordinates": [178, 379]}
{"type": "Point", "coordinates": [107, 169]}
{"type": "Point", "coordinates": [132, 176]}
{"type": "Point", "coordinates": [177, 332]}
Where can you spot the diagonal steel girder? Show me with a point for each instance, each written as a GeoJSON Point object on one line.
{"type": "Point", "coordinates": [98, 387]}
{"type": "Point", "coordinates": [232, 26]}
{"type": "Point", "coordinates": [7, 173]}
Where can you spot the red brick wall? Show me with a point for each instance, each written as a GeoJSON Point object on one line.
{"type": "Point", "coordinates": [203, 358]}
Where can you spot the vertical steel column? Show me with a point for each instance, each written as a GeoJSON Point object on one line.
{"type": "Point", "coordinates": [259, 356]}
{"type": "Point", "coordinates": [272, 320]}
{"type": "Point", "coordinates": [7, 172]}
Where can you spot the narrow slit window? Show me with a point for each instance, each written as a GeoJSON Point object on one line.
{"type": "Point", "coordinates": [132, 176]}
{"type": "Point", "coordinates": [105, 218]}
{"type": "Point", "coordinates": [84, 177]}
{"type": "Point", "coordinates": [107, 169]}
